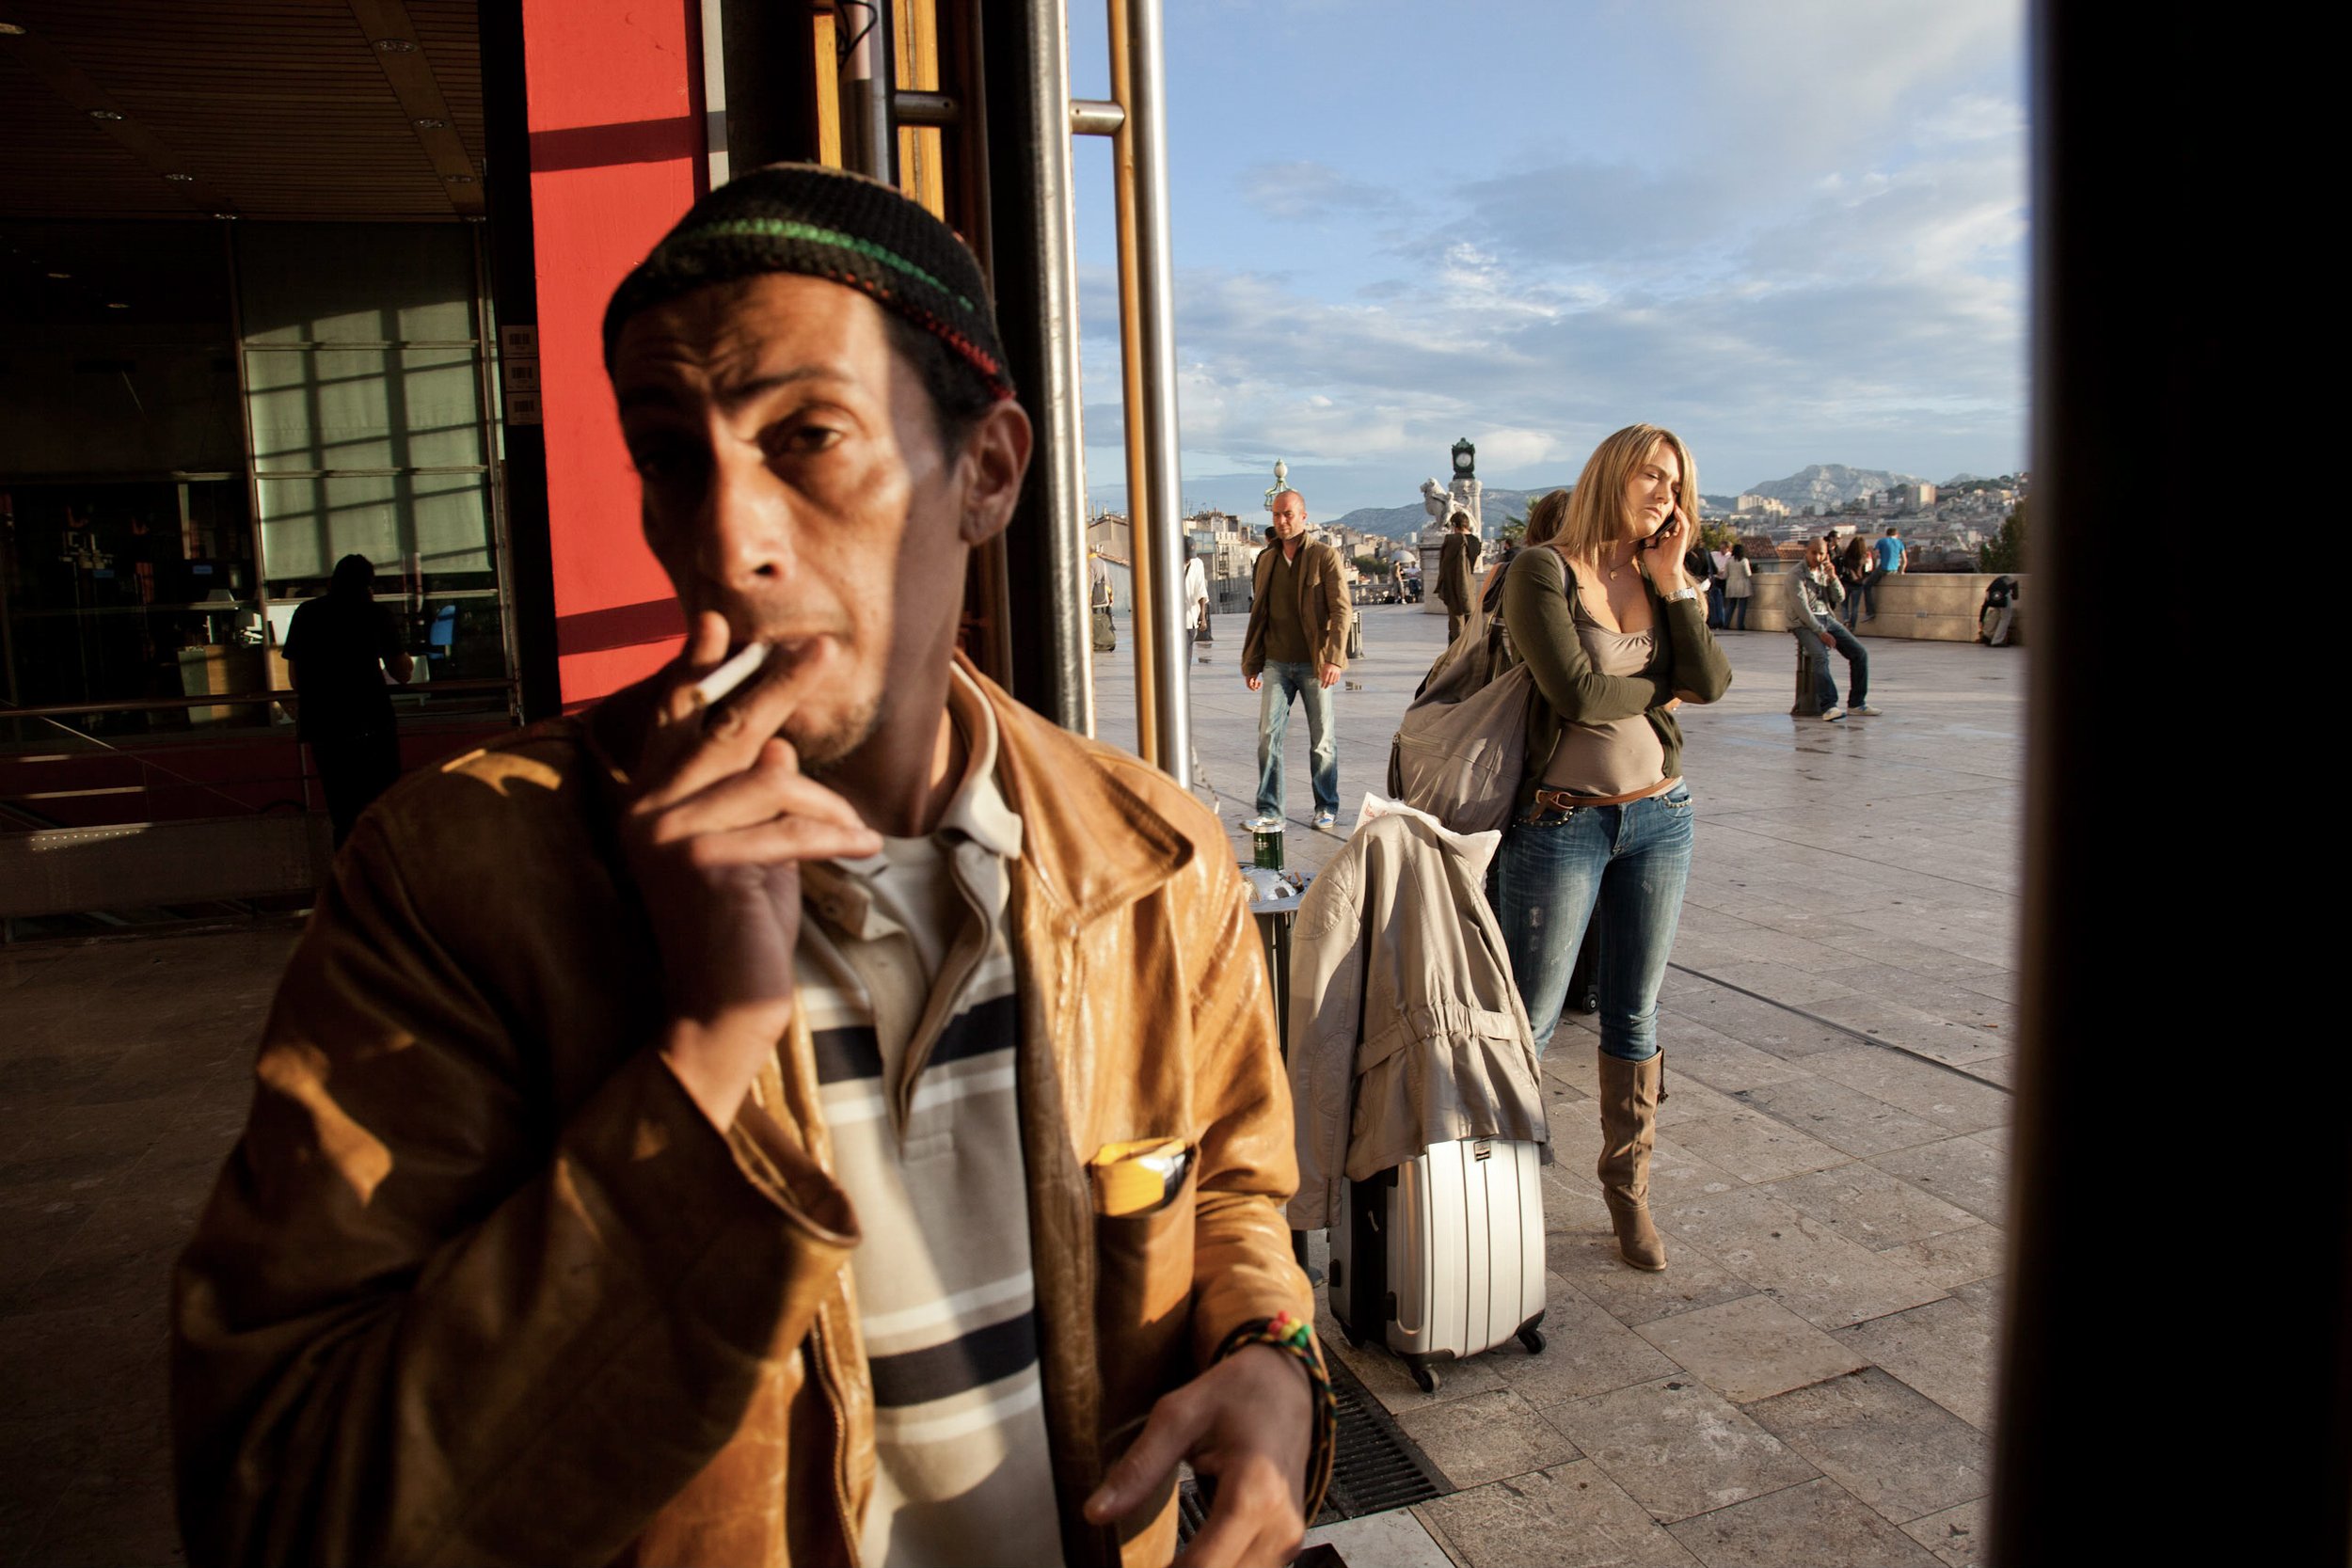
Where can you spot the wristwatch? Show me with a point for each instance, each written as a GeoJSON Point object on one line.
{"type": "Point", "coordinates": [1682, 593]}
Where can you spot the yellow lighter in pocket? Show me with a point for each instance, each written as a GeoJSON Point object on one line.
{"type": "Point", "coordinates": [1138, 1177]}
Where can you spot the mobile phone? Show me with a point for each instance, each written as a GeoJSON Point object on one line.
{"type": "Point", "coordinates": [1660, 531]}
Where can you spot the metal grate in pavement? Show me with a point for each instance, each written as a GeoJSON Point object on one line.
{"type": "Point", "coordinates": [1377, 1468]}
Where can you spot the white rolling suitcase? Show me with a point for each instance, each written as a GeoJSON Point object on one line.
{"type": "Point", "coordinates": [1442, 1257]}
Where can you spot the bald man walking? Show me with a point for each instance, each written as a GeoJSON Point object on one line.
{"type": "Point", "coordinates": [1296, 647]}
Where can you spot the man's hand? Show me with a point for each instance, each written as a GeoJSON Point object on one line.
{"type": "Point", "coordinates": [1828, 642]}
{"type": "Point", "coordinates": [1249, 1421]}
{"type": "Point", "coordinates": [719, 820]}
{"type": "Point", "coordinates": [1328, 675]}
{"type": "Point", "coordinates": [1253, 682]}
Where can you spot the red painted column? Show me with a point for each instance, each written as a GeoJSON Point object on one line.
{"type": "Point", "coordinates": [615, 160]}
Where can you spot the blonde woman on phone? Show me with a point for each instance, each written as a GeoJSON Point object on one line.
{"type": "Point", "coordinates": [1614, 634]}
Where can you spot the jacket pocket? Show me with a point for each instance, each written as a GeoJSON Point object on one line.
{"type": "Point", "coordinates": [1143, 1310]}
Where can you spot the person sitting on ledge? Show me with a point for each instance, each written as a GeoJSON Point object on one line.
{"type": "Point", "coordinates": [1814, 597]}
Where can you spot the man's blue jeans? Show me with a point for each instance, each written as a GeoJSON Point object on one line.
{"type": "Point", "coordinates": [1282, 683]}
{"type": "Point", "coordinates": [1857, 668]}
{"type": "Point", "coordinates": [1622, 866]}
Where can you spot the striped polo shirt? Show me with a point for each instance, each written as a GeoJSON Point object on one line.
{"type": "Point", "coordinates": [907, 977]}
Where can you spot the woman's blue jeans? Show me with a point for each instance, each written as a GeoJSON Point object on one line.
{"type": "Point", "coordinates": [1625, 866]}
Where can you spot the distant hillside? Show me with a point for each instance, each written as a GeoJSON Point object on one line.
{"type": "Point", "coordinates": [1405, 522]}
{"type": "Point", "coordinates": [1829, 485]}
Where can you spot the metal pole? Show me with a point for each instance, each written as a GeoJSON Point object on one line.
{"type": "Point", "coordinates": [1147, 332]}
{"type": "Point", "coordinates": [868, 77]}
{"type": "Point", "coordinates": [716, 168]}
{"type": "Point", "coordinates": [1056, 399]}
{"type": "Point", "coordinates": [487, 388]}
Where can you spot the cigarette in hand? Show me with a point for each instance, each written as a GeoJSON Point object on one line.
{"type": "Point", "coordinates": [734, 673]}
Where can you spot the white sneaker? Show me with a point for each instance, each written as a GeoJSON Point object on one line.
{"type": "Point", "coordinates": [1326, 818]}
{"type": "Point", "coordinates": [1864, 709]}
{"type": "Point", "coordinates": [1260, 824]}
{"type": "Point", "coordinates": [1829, 714]}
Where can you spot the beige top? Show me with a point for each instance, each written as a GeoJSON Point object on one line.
{"type": "Point", "coordinates": [1619, 755]}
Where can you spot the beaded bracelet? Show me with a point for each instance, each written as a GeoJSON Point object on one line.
{"type": "Point", "coordinates": [1294, 1336]}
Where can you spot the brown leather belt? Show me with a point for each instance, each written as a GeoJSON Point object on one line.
{"type": "Point", "coordinates": [1559, 799]}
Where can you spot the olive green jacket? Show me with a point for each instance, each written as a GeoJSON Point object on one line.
{"type": "Point", "coordinates": [1539, 615]}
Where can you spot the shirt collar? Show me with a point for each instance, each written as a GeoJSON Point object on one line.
{"type": "Point", "coordinates": [978, 810]}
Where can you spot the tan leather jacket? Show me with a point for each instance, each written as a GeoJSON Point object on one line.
{"type": "Point", "coordinates": [481, 1285]}
{"type": "Point", "coordinates": [1324, 606]}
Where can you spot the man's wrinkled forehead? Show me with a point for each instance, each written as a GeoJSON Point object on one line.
{"type": "Point", "coordinates": [746, 336]}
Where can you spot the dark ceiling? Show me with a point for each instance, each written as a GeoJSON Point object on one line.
{"type": "Point", "coordinates": [265, 108]}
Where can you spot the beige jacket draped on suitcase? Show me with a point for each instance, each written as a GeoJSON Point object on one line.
{"type": "Point", "coordinates": [1399, 983]}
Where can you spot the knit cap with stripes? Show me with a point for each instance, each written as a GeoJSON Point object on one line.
{"type": "Point", "coordinates": [824, 223]}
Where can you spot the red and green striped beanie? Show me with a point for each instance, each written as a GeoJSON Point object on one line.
{"type": "Point", "coordinates": [824, 223]}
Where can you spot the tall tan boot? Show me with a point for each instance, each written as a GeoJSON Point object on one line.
{"type": "Point", "coordinates": [1628, 1129]}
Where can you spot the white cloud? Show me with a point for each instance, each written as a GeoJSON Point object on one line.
{"type": "Point", "coordinates": [1819, 257]}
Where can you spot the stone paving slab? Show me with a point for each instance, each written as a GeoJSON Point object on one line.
{"type": "Point", "coordinates": [1864, 1204]}
{"type": "Point", "coordinates": [1957, 1536]}
{"type": "Point", "coordinates": [1887, 1444]}
{"type": "Point", "coordinates": [1856, 883]}
{"type": "Point", "coordinates": [1566, 1516]}
{"type": "Point", "coordinates": [1751, 1349]}
{"type": "Point", "coordinates": [1678, 1448]}
{"type": "Point", "coordinates": [1816, 1523]}
{"type": "Point", "coordinates": [1484, 1438]}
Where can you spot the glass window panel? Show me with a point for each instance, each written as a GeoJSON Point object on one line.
{"type": "Point", "coordinates": [437, 524]}
{"type": "Point", "coordinates": [139, 392]}
{"type": "Point", "coordinates": [356, 282]}
{"type": "Point", "coordinates": [121, 592]}
{"type": "Point", "coordinates": [364, 408]}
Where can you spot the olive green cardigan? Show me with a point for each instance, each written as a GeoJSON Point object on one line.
{"type": "Point", "coordinates": [1540, 618]}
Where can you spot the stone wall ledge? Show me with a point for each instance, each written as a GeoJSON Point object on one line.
{"type": "Point", "coordinates": [1931, 607]}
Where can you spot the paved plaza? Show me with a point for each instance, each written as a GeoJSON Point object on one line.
{"type": "Point", "coordinates": [1809, 1383]}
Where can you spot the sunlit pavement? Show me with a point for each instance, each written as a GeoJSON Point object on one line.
{"type": "Point", "coordinates": [1808, 1382]}
{"type": "Point", "coordinates": [1810, 1379]}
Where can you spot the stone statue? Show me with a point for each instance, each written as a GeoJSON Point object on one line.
{"type": "Point", "coordinates": [1435, 502]}
{"type": "Point", "coordinates": [1469, 495]}
{"type": "Point", "coordinates": [1282, 483]}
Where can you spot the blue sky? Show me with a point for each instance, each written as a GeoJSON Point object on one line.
{"type": "Point", "coordinates": [1794, 232]}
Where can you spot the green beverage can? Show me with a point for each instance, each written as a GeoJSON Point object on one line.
{"type": "Point", "coordinates": [1268, 836]}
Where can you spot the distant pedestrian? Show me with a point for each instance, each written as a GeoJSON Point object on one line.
{"type": "Point", "coordinates": [1296, 647]}
{"type": "Point", "coordinates": [1106, 629]}
{"type": "Point", "coordinates": [1853, 575]}
{"type": "Point", "coordinates": [1814, 596]}
{"type": "Point", "coordinates": [1719, 591]}
{"type": "Point", "coordinates": [341, 644]}
{"type": "Point", "coordinates": [1889, 556]}
{"type": "Point", "coordinates": [1457, 574]}
{"type": "Point", "coordinates": [1893, 553]}
{"type": "Point", "coordinates": [1196, 602]}
{"type": "Point", "coordinates": [1699, 566]}
{"type": "Point", "coordinates": [1738, 587]}
{"type": "Point", "coordinates": [1998, 610]}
